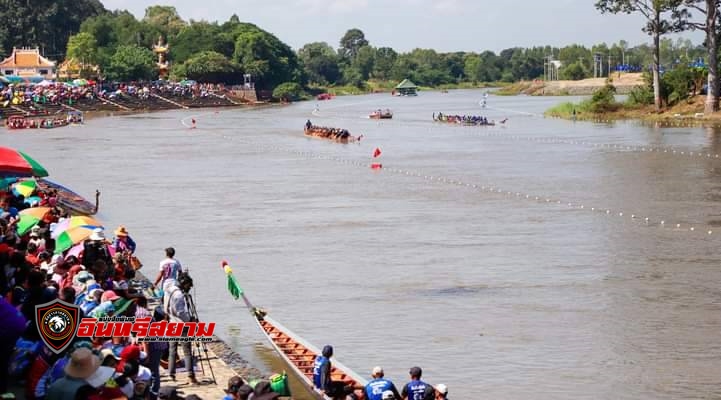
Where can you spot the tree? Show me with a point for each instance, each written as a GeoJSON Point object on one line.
{"type": "Point", "coordinates": [165, 19]}
{"type": "Point", "coordinates": [213, 67]}
{"type": "Point", "coordinates": [351, 43]}
{"type": "Point", "coordinates": [197, 37]}
{"type": "Point", "coordinates": [262, 55]}
{"type": "Point", "coordinates": [288, 91]}
{"type": "Point", "coordinates": [131, 62]}
{"type": "Point", "coordinates": [574, 71]}
{"type": "Point", "coordinates": [83, 47]}
{"type": "Point", "coordinates": [45, 24]}
{"type": "Point", "coordinates": [320, 62]}
{"type": "Point", "coordinates": [364, 61]}
{"type": "Point", "coordinates": [384, 59]}
{"type": "Point", "coordinates": [710, 9]}
{"type": "Point", "coordinates": [655, 26]}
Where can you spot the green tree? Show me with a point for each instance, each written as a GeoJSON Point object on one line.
{"type": "Point", "coordinates": [165, 19]}
{"type": "Point", "coordinates": [385, 57]}
{"type": "Point", "coordinates": [351, 43]}
{"type": "Point", "coordinates": [131, 62]}
{"type": "Point", "coordinates": [213, 67]}
{"type": "Point", "coordinates": [364, 61]}
{"type": "Point", "coordinates": [45, 24]}
{"type": "Point", "coordinates": [288, 91]}
{"type": "Point", "coordinates": [320, 62]}
{"type": "Point", "coordinates": [269, 60]}
{"type": "Point", "coordinates": [656, 25]}
{"type": "Point", "coordinates": [83, 47]}
{"type": "Point", "coordinates": [710, 11]}
{"type": "Point", "coordinates": [200, 36]}
{"type": "Point", "coordinates": [574, 71]}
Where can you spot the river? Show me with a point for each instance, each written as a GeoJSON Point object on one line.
{"type": "Point", "coordinates": [523, 261]}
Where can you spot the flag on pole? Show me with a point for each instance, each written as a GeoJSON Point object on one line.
{"type": "Point", "coordinates": [376, 152]}
{"type": "Point", "coordinates": [235, 290]}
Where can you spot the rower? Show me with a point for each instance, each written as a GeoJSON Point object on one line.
{"type": "Point", "coordinates": [379, 385]}
{"type": "Point", "coordinates": [308, 125]}
{"type": "Point", "coordinates": [416, 388]}
{"type": "Point", "coordinates": [321, 369]}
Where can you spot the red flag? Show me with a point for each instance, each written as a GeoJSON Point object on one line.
{"type": "Point", "coordinates": [376, 152]}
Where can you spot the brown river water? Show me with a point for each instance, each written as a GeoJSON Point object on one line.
{"type": "Point", "coordinates": [509, 262]}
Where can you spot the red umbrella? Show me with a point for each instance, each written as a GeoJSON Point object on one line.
{"type": "Point", "coordinates": [16, 163]}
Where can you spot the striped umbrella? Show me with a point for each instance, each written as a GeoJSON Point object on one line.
{"type": "Point", "coordinates": [71, 237]}
{"type": "Point", "coordinates": [30, 217]}
{"type": "Point", "coordinates": [16, 163]}
{"type": "Point", "coordinates": [72, 222]}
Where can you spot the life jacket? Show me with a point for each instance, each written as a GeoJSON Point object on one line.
{"type": "Point", "coordinates": [320, 361]}
{"type": "Point", "coordinates": [375, 388]}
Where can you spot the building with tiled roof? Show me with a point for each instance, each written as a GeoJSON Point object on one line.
{"type": "Point", "coordinates": [28, 62]}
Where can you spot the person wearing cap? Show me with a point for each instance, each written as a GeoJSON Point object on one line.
{"type": "Point", "coordinates": [176, 308]}
{"type": "Point", "coordinates": [83, 374]}
{"type": "Point", "coordinates": [106, 307]}
{"type": "Point", "coordinates": [123, 243]}
{"type": "Point", "coordinates": [416, 389]}
{"type": "Point", "coordinates": [388, 395]}
{"type": "Point", "coordinates": [441, 391]}
{"type": "Point", "coordinates": [379, 385]}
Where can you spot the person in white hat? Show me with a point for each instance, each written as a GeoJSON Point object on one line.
{"type": "Point", "coordinates": [376, 389]}
{"type": "Point", "coordinates": [441, 391]}
{"type": "Point", "coordinates": [83, 374]}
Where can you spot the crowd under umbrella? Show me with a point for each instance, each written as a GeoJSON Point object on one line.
{"type": "Point", "coordinates": [30, 217]}
{"type": "Point", "coordinates": [15, 163]}
{"type": "Point", "coordinates": [73, 222]}
{"type": "Point", "coordinates": [71, 237]}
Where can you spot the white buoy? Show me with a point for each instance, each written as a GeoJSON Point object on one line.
{"type": "Point", "coordinates": [678, 225]}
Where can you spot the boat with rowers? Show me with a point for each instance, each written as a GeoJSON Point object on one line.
{"type": "Point", "coordinates": [46, 122]}
{"type": "Point", "coordinates": [335, 134]}
{"type": "Point", "coordinates": [469, 120]}
{"type": "Point", "coordinates": [378, 114]}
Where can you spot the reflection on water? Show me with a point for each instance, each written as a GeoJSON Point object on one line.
{"type": "Point", "coordinates": [516, 298]}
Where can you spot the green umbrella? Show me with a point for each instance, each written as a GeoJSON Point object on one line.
{"type": "Point", "coordinates": [30, 217]}
{"type": "Point", "coordinates": [71, 237]}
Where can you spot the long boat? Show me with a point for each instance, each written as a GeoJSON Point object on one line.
{"type": "Point", "coordinates": [71, 201]}
{"type": "Point", "coordinates": [300, 355]}
{"type": "Point", "coordinates": [378, 114]}
{"type": "Point", "coordinates": [334, 134]}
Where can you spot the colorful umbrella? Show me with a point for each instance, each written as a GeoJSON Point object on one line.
{"type": "Point", "coordinates": [71, 237]}
{"type": "Point", "coordinates": [72, 222]}
{"type": "Point", "coordinates": [25, 188]}
{"type": "Point", "coordinates": [16, 163]}
{"type": "Point", "coordinates": [30, 217]}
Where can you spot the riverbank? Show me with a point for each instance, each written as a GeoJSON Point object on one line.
{"type": "Point", "coordinates": [687, 113]}
{"type": "Point", "coordinates": [623, 83]}
{"type": "Point", "coordinates": [388, 86]}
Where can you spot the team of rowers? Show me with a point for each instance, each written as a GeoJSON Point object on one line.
{"type": "Point", "coordinates": [463, 119]}
{"type": "Point", "coordinates": [330, 133]}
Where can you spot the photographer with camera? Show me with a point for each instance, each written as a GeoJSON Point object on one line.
{"type": "Point", "coordinates": [176, 307]}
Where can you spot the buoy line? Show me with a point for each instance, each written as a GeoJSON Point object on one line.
{"type": "Point", "coordinates": [612, 146]}
{"type": "Point", "coordinates": [638, 219]}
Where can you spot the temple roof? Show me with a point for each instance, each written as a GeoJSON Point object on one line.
{"type": "Point", "coordinates": [26, 58]}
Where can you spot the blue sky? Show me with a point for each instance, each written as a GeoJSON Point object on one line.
{"type": "Point", "coordinates": [444, 25]}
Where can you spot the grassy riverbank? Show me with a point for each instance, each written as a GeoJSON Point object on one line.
{"type": "Point", "coordinates": [688, 112]}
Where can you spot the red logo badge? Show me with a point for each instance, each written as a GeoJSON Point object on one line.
{"type": "Point", "coordinates": [57, 323]}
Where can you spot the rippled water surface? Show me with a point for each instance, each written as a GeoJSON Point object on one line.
{"type": "Point", "coordinates": [561, 295]}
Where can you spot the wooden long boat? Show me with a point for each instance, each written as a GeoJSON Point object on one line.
{"type": "Point", "coordinates": [300, 356]}
{"type": "Point", "coordinates": [69, 200]}
{"type": "Point", "coordinates": [381, 115]}
{"type": "Point", "coordinates": [331, 134]}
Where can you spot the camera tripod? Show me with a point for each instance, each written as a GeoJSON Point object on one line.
{"type": "Point", "coordinates": [199, 345]}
